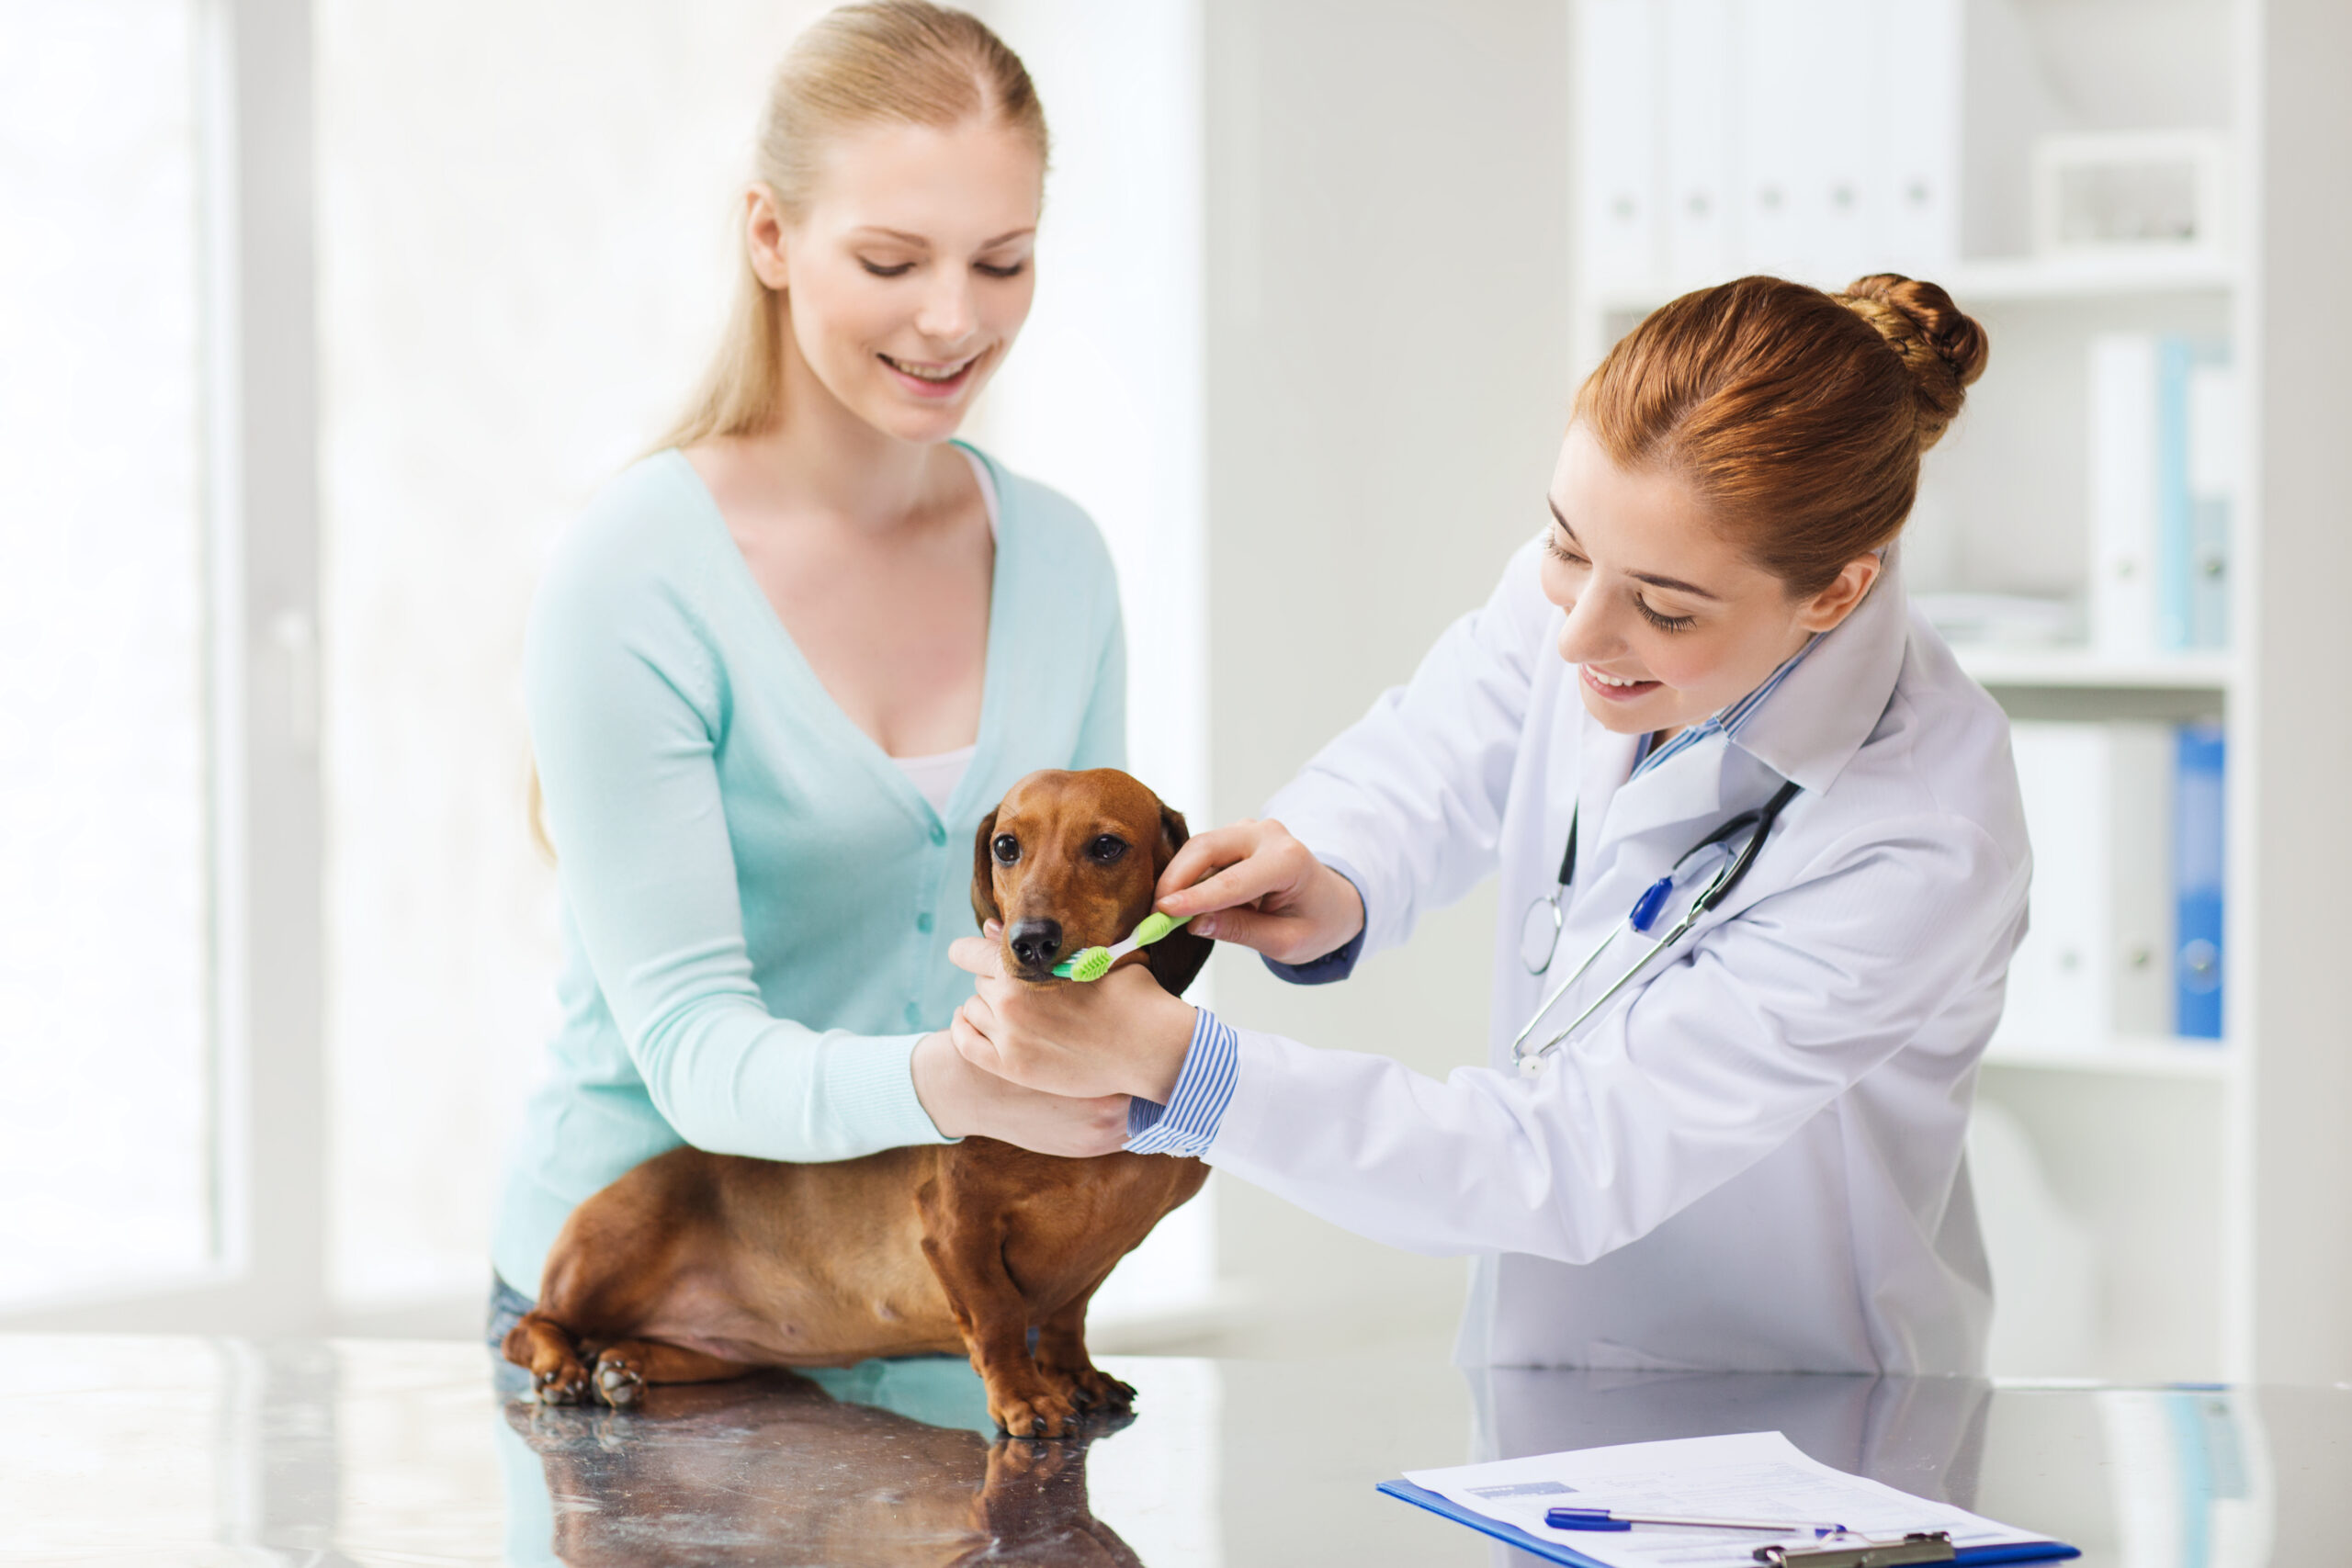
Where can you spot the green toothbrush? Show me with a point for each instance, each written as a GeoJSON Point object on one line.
{"type": "Point", "coordinates": [1093, 963]}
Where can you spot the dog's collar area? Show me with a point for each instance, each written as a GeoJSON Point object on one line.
{"type": "Point", "coordinates": [1093, 963]}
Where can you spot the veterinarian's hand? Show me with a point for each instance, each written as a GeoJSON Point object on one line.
{"type": "Point", "coordinates": [964, 1101]}
{"type": "Point", "coordinates": [1268, 892]}
{"type": "Point", "coordinates": [1121, 1035]}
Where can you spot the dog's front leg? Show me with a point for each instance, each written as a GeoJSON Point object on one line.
{"type": "Point", "coordinates": [1061, 1355]}
{"type": "Point", "coordinates": [965, 1243]}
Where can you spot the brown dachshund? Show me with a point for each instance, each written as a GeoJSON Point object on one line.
{"type": "Point", "coordinates": [695, 1267]}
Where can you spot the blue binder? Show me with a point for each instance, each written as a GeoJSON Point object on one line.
{"type": "Point", "coordinates": [2199, 832]}
{"type": "Point", "coordinates": [2192, 531]}
{"type": "Point", "coordinates": [1554, 1551]}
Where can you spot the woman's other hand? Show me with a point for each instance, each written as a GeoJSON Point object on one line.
{"type": "Point", "coordinates": [1267, 892]}
{"type": "Point", "coordinates": [963, 1101]}
{"type": "Point", "coordinates": [1120, 1036]}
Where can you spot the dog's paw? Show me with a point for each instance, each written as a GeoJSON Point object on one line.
{"type": "Point", "coordinates": [1037, 1413]}
{"type": "Point", "coordinates": [1097, 1390]}
{"type": "Point", "coordinates": [564, 1383]}
{"type": "Point", "coordinates": [619, 1383]}
{"type": "Point", "coordinates": [1088, 1387]}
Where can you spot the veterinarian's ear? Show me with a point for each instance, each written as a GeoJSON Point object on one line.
{"type": "Point", "coordinates": [984, 908]}
{"type": "Point", "coordinates": [1176, 958]}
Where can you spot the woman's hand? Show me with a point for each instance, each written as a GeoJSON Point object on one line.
{"type": "Point", "coordinates": [963, 1101]}
{"type": "Point", "coordinates": [1268, 892]}
{"type": "Point", "coordinates": [1121, 1035]}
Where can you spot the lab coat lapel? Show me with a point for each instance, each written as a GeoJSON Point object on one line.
{"type": "Point", "coordinates": [1810, 727]}
{"type": "Point", "coordinates": [1603, 759]}
{"type": "Point", "coordinates": [1682, 788]}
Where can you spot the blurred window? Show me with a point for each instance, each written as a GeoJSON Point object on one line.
{"type": "Point", "coordinates": [105, 880]}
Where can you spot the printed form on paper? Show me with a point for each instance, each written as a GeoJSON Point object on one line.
{"type": "Point", "coordinates": [1753, 1475]}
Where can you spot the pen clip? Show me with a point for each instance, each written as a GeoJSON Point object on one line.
{"type": "Point", "coordinates": [1922, 1547]}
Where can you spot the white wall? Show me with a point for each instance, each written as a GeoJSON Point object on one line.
{"type": "Point", "coordinates": [1389, 358]}
{"type": "Point", "coordinates": [525, 210]}
{"type": "Point", "coordinates": [2301, 646]}
{"type": "Point", "coordinates": [1102, 400]}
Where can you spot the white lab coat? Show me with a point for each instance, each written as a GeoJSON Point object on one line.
{"type": "Point", "coordinates": [1751, 1159]}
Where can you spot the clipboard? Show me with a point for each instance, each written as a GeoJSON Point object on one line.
{"type": "Point", "coordinates": [1559, 1552]}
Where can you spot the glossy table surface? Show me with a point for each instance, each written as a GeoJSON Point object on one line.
{"type": "Point", "coordinates": [157, 1452]}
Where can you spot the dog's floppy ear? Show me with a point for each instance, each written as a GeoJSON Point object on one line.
{"type": "Point", "coordinates": [984, 908]}
{"type": "Point", "coordinates": [1176, 958]}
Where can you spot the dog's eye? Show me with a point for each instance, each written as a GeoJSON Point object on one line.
{"type": "Point", "coordinates": [1007, 848]}
{"type": "Point", "coordinates": [1106, 848]}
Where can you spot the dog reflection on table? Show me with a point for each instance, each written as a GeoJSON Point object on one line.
{"type": "Point", "coordinates": [697, 1267]}
{"type": "Point", "coordinates": [770, 1469]}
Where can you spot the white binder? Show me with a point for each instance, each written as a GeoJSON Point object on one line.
{"type": "Point", "coordinates": [1700, 102]}
{"type": "Point", "coordinates": [2095, 962]}
{"type": "Point", "coordinates": [1915, 116]}
{"type": "Point", "coordinates": [1841, 139]}
{"type": "Point", "coordinates": [1778, 210]}
{"type": "Point", "coordinates": [1617, 136]}
{"type": "Point", "coordinates": [2122, 494]}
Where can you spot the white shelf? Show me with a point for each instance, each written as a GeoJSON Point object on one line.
{"type": "Point", "coordinates": [2027, 278]}
{"type": "Point", "coordinates": [1998, 666]}
{"type": "Point", "coordinates": [2019, 279]}
{"type": "Point", "coordinates": [2136, 1057]}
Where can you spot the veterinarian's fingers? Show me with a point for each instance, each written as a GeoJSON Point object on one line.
{"type": "Point", "coordinates": [1244, 883]}
{"type": "Point", "coordinates": [1276, 936]}
{"type": "Point", "coordinates": [976, 955]}
{"type": "Point", "coordinates": [1181, 889]}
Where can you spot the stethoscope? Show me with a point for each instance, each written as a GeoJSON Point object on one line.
{"type": "Point", "coordinates": [1540, 930]}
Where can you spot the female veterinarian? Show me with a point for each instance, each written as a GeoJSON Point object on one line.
{"type": "Point", "coordinates": [780, 668]}
{"type": "Point", "coordinates": [1699, 700]}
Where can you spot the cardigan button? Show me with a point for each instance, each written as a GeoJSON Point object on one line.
{"type": "Point", "coordinates": [938, 834]}
{"type": "Point", "coordinates": [923, 921]}
{"type": "Point", "coordinates": [914, 1014]}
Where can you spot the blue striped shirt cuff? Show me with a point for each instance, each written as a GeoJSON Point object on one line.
{"type": "Point", "coordinates": [1187, 1123]}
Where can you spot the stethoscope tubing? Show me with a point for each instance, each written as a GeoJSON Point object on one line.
{"type": "Point", "coordinates": [1715, 893]}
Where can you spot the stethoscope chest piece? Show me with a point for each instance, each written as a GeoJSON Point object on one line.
{"type": "Point", "coordinates": [1539, 933]}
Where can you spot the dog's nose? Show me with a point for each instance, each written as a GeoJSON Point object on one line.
{"type": "Point", "coordinates": [1037, 943]}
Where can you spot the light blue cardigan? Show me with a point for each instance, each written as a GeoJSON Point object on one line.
{"type": "Point", "coordinates": [757, 904]}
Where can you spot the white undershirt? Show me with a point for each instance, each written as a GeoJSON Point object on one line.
{"type": "Point", "coordinates": [936, 776]}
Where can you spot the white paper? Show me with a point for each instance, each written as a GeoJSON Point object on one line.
{"type": "Point", "coordinates": [1750, 1475]}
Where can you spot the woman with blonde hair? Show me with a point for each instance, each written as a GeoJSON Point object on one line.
{"type": "Point", "coordinates": [779, 668]}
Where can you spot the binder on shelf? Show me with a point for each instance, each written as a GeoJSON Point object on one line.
{"type": "Point", "coordinates": [2099, 818]}
{"type": "Point", "coordinates": [1841, 133]}
{"type": "Point", "coordinates": [2208, 470]}
{"type": "Point", "coordinates": [1779, 69]}
{"type": "Point", "coordinates": [2162, 422]}
{"type": "Point", "coordinates": [1919, 50]}
{"type": "Point", "coordinates": [1700, 101]}
{"type": "Point", "coordinates": [1617, 142]}
{"type": "Point", "coordinates": [1815, 138]}
{"type": "Point", "coordinates": [2199, 864]}
{"type": "Point", "coordinates": [2123, 463]}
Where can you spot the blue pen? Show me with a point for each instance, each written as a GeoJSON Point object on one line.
{"type": "Point", "coordinates": [1609, 1520]}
